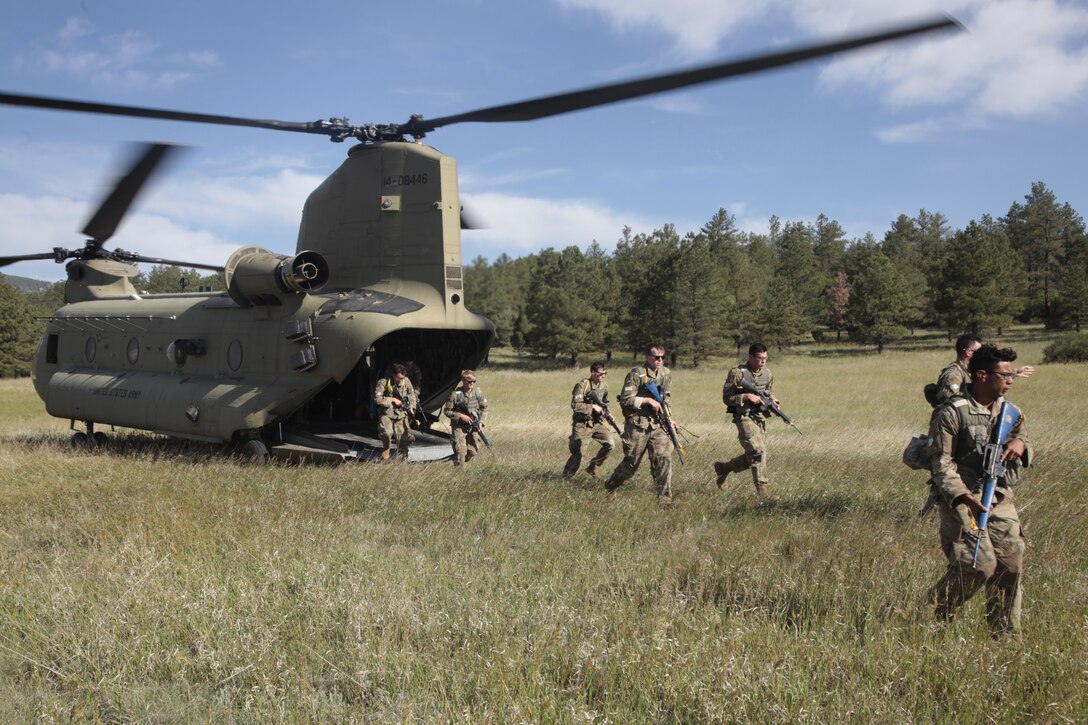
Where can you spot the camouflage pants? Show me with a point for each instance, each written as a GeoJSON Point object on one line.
{"type": "Point", "coordinates": [1000, 563]}
{"type": "Point", "coordinates": [640, 437]}
{"type": "Point", "coordinates": [395, 430]}
{"type": "Point", "coordinates": [751, 433]}
{"type": "Point", "coordinates": [582, 433]}
{"type": "Point", "coordinates": [466, 444]}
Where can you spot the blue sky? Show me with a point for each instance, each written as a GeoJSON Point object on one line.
{"type": "Point", "coordinates": [961, 124]}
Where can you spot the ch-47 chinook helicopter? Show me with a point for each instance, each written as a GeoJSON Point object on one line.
{"type": "Point", "coordinates": [285, 359]}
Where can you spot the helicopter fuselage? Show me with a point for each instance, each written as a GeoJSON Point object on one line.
{"type": "Point", "coordinates": [380, 240]}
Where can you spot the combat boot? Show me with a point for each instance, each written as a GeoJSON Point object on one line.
{"type": "Point", "coordinates": [767, 496]}
{"type": "Point", "coordinates": [385, 454]}
{"type": "Point", "coordinates": [722, 470]}
{"type": "Point", "coordinates": [591, 469]}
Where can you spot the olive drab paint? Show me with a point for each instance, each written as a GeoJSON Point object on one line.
{"type": "Point", "coordinates": [376, 275]}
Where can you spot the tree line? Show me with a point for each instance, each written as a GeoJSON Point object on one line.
{"type": "Point", "coordinates": [714, 291]}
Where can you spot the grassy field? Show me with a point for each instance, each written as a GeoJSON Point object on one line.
{"type": "Point", "coordinates": [154, 583]}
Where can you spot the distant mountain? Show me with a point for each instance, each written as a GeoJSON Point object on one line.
{"type": "Point", "coordinates": [26, 284]}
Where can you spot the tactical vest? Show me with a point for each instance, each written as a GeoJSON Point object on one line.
{"type": "Point", "coordinates": [972, 438]}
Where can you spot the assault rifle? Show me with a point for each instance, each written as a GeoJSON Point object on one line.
{"type": "Point", "coordinates": [596, 400]}
{"type": "Point", "coordinates": [477, 428]}
{"type": "Point", "coordinates": [664, 417]}
{"type": "Point", "coordinates": [768, 403]}
{"type": "Point", "coordinates": [993, 467]}
{"type": "Point", "coordinates": [415, 415]}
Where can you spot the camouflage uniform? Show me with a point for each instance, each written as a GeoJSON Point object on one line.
{"type": "Point", "coordinates": [393, 420]}
{"type": "Point", "coordinates": [588, 426]}
{"type": "Point", "coordinates": [751, 424]}
{"type": "Point", "coordinates": [960, 431]}
{"type": "Point", "coordinates": [643, 434]}
{"type": "Point", "coordinates": [466, 442]}
{"type": "Point", "coordinates": [952, 381]}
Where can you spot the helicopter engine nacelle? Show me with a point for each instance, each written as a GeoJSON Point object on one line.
{"type": "Point", "coordinates": [256, 276]}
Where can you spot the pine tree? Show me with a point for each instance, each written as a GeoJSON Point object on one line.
{"type": "Point", "coordinates": [561, 308]}
{"type": "Point", "coordinates": [982, 280]}
{"type": "Point", "coordinates": [19, 332]}
{"type": "Point", "coordinates": [838, 304]}
{"type": "Point", "coordinates": [1038, 230]}
{"type": "Point", "coordinates": [778, 320]}
{"type": "Point", "coordinates": [797, 265]}
{"type": "Point", "coordinates": [1071, 298]}
{"type": "Point", "coordinates": [880, 302]}
{"type": "Point", "coordinates": [703, 303]}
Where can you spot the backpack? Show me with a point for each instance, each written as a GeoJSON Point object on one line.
{"type": "Point", "coordinates": [930, 393]}
{"type": "Point", "coordinates": [916, 454]}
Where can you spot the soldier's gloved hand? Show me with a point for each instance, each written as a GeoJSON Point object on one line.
{"type": "Point", "coordinates": [973, 504]}
{"type": "Point", "coordinates": [1014, 450]}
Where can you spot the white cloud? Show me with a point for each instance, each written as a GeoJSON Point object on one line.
{"type": "Point", "coordinates": [697, 25]}
{"type": "Point", "coordinates": [519, 225]}
{"type": "Point", "coordinates": [1020, 58]}
{"type": "Point", "coordinates": [38, 224]}
{"type": "Point", "coordinates": [131, 59]}
{"type": "Point", "coordinates": [260, 202]}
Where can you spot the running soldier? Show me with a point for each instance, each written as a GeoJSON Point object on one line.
{"type": "Point", "coordinates": [395, 399]}
{"type": "Point", "coordinates": [750, 418]}
{"type": "Point", "coordinates": [960, 431]}
{"type": "Point", "coordinates": [467, 411]}
{"type": "Point", "coordinates": [643, 433]}
{"type": "Point", "coordinates": [589, 423]}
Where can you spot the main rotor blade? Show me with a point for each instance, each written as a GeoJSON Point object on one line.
{"type": "Point", "coordinates": [470, 219]}
{"type": "Point", "coordinates": [5, 261]}
{"type": "Point", "coordinates": [615, 92]}
{"type": "Point", "coordinates": [104, 222]}
{"type": "Point", "coordinates": [132, 257]}
{"type": "Point", "coordinates": [112, 109]}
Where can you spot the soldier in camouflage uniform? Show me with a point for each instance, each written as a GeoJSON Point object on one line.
{"type": "Point", "coordinates": [956, 376]}
{"type": "Point", "coordinates": [750, 419]}
{"type": "Point", "coordinates": [395, 399]}
{"type": "Point", "coordinates": [960, 431]}
{"type": "Point", "coordinates": [643, 433]}
{"type": "Point", "coordinates": [589, 423]}
{"type": "Point", "coordinates": [466, 404]}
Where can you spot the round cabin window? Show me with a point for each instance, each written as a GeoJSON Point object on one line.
{"type": "Point", "coordinates": [90, 349]}
{"type": "Point", "coordinates": [234, 355]}
{"type": "Point", "coordinates": [133, 351]}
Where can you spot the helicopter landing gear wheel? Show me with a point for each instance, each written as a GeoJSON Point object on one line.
{"type": "Point", "coordinates": [100, 439]}
{"type": "Point", "coordinates": [255, 451]}
{"type": "Point", "coordinates": [81, 440]}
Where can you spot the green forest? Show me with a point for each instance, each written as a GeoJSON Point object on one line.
{"type": "Point", "coordinates": [713, 291]}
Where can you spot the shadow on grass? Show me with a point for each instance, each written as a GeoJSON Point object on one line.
{"type": "Point", "coordinates": [130, 446]}
{"type": "Point", "coordinates": [823, 506]}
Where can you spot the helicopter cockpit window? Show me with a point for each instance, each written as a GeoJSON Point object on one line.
{"type": "Point", "coordinates": [132, 352]}
{"type": "Point", "coordinates": [51, 344]}
{"type": "Point", "coordinates": [90, 348]}
{"type": "Point", "coordinates": [234, 355]}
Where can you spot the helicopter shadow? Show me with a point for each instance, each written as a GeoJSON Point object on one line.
{"type": "Point", "coordinates": [131, 447]}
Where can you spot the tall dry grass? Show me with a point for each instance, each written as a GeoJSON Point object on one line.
{"type": "Point", "coordinates": [154, 582]}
